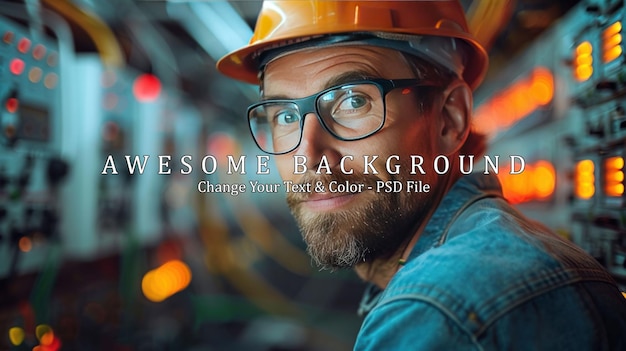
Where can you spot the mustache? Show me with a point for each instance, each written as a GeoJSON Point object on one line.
{"type": "Point", "coordinates": [312, 178]}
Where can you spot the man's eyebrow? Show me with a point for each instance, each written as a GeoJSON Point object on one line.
{"type": "Point", "coordinates": [347, 77]}
{"type": "Point", "coordinates": [340, 79]}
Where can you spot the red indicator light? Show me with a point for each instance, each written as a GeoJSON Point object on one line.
{"type": "Point", "coordinates": [12, 105]}
{"type": "Point", "coordinates": [17, 66]}
{"type": "Point", "coordinates": [8, 37]}
{"type": "Point", "coordinates": [25, 244]}
{"type": "Point", "coordinates": [23, 45]}
{"type": "Point", "coordinates": [39, 51]}
{"type": "Point", "coordinates": [147, 87]}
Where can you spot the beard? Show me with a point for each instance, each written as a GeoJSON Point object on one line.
{"type": "Point", "coordinates": [374, 226]}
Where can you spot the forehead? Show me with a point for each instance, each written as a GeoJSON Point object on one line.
{"type": "Point", "coordinates": [313, 69]}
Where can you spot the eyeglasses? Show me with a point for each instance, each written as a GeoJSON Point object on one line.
{"type": "Point", "coordinates": [351, 111]}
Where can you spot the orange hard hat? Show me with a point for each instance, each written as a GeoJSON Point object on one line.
{"type": "Point", "coordinates": [283, 24]}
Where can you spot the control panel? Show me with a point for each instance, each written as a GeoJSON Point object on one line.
{"type": "Point", "coordinates": [561, 105]}
{"type": "Point", "coordinates": [32, 168]}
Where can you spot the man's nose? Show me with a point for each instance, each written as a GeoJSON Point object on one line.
{"type": "Point", "coordinates": [317, 142]}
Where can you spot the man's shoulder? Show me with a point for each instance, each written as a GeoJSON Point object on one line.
{"type": "Point", "coordinates": [491, 238]}
{"type": "Point", "coordinates": [492, 258]}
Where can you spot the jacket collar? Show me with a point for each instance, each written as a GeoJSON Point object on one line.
{"type": "Point", "coordinates": [467, 190]}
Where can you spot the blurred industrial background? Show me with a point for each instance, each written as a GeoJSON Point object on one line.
{"type": "Point", "coordinates": [146, 262]}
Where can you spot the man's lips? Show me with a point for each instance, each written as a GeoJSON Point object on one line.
{"type": "Point", "coordinates": [327, 201]}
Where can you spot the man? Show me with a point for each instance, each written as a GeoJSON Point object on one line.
{"type": "Point", "coordinates": [360, 91]}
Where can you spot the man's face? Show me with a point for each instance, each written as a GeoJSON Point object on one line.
{"type": "Point", "coordinates": [345, 229]}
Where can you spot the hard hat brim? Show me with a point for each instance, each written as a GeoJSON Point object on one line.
{"type": "Point", "coordinates": [244, 65]}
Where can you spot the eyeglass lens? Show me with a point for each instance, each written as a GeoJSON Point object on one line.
{"type": "Point", "coordinates": [348, 112]}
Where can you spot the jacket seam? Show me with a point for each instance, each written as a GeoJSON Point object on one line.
{"type": "Point", "coordinates": [471, 201]}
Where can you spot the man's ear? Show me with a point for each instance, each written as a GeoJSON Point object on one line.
{"type": "Point", "coordinates": [456, 112]}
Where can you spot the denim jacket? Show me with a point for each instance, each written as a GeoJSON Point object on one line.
{"type": "Point", "coordinates": [483, 277]}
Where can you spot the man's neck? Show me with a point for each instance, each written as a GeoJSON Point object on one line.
{"type": "Point", "coordinates": [381, 270]}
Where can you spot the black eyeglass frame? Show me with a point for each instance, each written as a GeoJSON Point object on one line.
{"type": "Point", "coordinates": [309, 104]}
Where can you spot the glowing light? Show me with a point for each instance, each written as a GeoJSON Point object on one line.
{"type": "Point", "coordinates": [166, 280]}
{"type": "Point", "coordinates": [584, 72]}
{"type": "Point", "coordinates": [16, 336]}
{"type": "Point", "coordinates": [25, 244]}
{"type": "Point", "coordinates": [584, 48]}
{"type": "Point", "coordinates": [614, 176]}
{"type": "Point", "coordinates": [516, 101]}
{"type": "Point", "coordinates": [536, 183]}
{"type": "Point", "coordinates": [614, 189]}
{"type": "Point", "coordinates": [35, 74]}
{"type": "Point", "coordinates": [542, 86]}
{"type": "Point", "coordinates": [12, 104]}
{"type": "Point", "coordinates": [17, 66]}
{"type": "Point", "coordinates": [146, 88]}
{"type": "Point", "coordinates": [613, 29]}
{"type": "Point", "coordinates": [544, 179]}
{"type": "Point", "coordinates": [612, 42]}
{"type": "Point", "coordinates": [8, 37]}
{"type": "Point", "coordinates": [23, 45]}
{"type": "Point", "coordinates": [614, 163]}
{"type": "Point", "coordinates": [47, 339]}
{"type": "Point", "coordinates": [39, 51]}
{"type": "Point", "coordinates": [583, 61]}
{"type": "Point", "coordinates": [612, 54]}
{"type": "Point", "coordinates": [584, 179]}
{"type": "Point", "coordinates": [42, 329]}
{"type": "Point", "coordinates": [50, 81]}
{"type": "Point", "coordinates": [585, 166]}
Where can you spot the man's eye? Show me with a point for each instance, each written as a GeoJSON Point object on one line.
{"type": "Point", "coordinates": [351, 105]}
{"type": "Point", "coordinates": [353, 102]}
{"type": "Point", "coordinates": [286, 117]}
